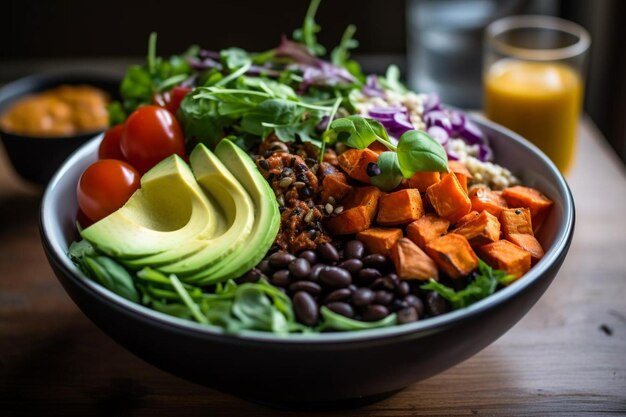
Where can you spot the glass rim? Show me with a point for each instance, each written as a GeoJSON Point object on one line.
{"type": "Point", "coordinates": [509, 23]}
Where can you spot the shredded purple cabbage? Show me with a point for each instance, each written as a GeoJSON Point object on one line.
{"type": "Point", "coordinates": [372, 87]}
{"type": "Point", "coordinates": [395, 120]}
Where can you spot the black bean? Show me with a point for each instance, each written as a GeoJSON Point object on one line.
{"type": "Point", "coordinates": [341, 308]}
{"type": "Point", "coordinates": [310, 287]}
{"type": "Point", "coordinates": [352, 265]}
{"type": "Point", "coordinates": [375, 312]}
{"type": "Point", "coordinates": [281, 278]}
{"type": "Point", "coordinates": [264, 266]}
{"type": "Point", "coordinates": [394, 278]}
{"type": "Point", "coordinates": [402, 289]}
{"type": "Point", "coordinates": [415, 302]}
{"type": "Point", "coordinates": [315, 272]}
{"type": "Point", "coordinates": [338, 295]}
{"type": "Point", "coordinates": [383, 297]}
{"type": "Point", "coordinates": [301, 167]}
{"type": "Point", "coordinates": [300, 268]}
{"type": "Point", "coordinates": [310, 256]}
{"type": "Point", "coordinates": [328, 252]}
{"type": "Point", "coordinates": [354, 249]}
{"type": "Point", "coordinates": [368, 275]}
{"type": "Point", "coordinates": [302, 178]}
{"type": "Point", "coordinates": [305, 308]}
{"type": "Point", "coordinates": [306, 192]}
{"type": "Point", "coordinates": [335, 277]}
{"type": "Point", "coordinates": [281, 259]}
{"type": "Point", "coordinates": [435, 304]}
{"type": "Point", "coordinates": [312, 234]}
{"type": "Point", "coordinates": [352, 288]}
{"type": "Point", "coordinates": [383, 283]}
{"type": "Point", "coordinates": [362, 297]}
{"type": "Point", "coordinates": [264, 164]}
{"type": "Point", "coordinates": [252, 275]}
{"type": "Point", "coordinates": [287, 172]}
{"type": "Point", "coordinates": [397, 304]}
{"type": "Point", "coordinates": [406, 315]}
{"type": "Point", "coordinates": [375, 260]}
{"type": "Point", "coordinates": [373, 169]}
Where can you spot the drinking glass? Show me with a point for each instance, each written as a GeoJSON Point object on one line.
{"type": "Point", "coordinates": [533, 80]}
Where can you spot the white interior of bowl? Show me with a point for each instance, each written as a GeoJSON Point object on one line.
{"type": "Point", "coordinates": [59, 207]}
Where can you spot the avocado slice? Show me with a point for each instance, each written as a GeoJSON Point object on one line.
{"type": "Point", "coordinates": [235, 202]}
{"type": "Point", "coordinates": [266, 222]}
{"type": "Point", "coordinates": [168, 210]}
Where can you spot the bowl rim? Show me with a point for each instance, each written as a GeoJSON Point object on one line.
{"type": "Point", "coordinates": [553, 254]}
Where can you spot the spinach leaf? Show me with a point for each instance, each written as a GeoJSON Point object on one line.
{"type": "Point", "coordinates": [334, 321]}
{"type": "Point", "coordinates": [483, 285]}
{"type": "Point", "coordinates": [357, 131]}
{"type": "Point", "coordinates": [201, 120]}
{"type": "Point", "coordinates": [390, 175]}
{"type": "Point", "coordinates": [234, 58]}
{"type": "Point", "coordinates": [307, 34]}
{"type": "Point", "coordinates": [271, 112]}
{"type": "Point", "coordinates": [418, 152]}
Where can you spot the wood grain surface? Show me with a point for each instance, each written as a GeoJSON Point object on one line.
{"type": "Point", "coordinates": [567, 357]}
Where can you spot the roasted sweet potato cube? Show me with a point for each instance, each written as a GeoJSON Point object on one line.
{"type": "Point", "coordinates": [400, 207]}
{"type": "Point", "coordinates": [453, 254]}
{"type": "Point", "coordinates": [336, 186]}
{"type": "Point", "coordinates": [378, 147]}
{"type": "Point", "coordinates": [360, 207]}
{"type": "Point", "coordinates": [461, 172]}
{"type": "Point", "coordinates": [482, 229]}
{"type": "Point", "coordinates": [516, 220]}
{"type": "Point", "coordinates": [423, 180]}
{"type": "Point", "coordinates": [483, 198]}
{"type": "Point", "coordinates": [354, 162]}
{"type": "Point", "coordinates": [506, 256]}
{"type": "Point", "coordinates": [379, 239]}
{"type": "Point", "coordinates": [529, 243]}
{"type": "Point", "coordinates": [449, 199]}
{"type": "Point", "coordinates": [411, 262]}
{"type": "Point", "coordinates": [427, 228]}
{"type": "Point", "coordinates": [468, 217]}
{"type": "Point", "coordinates": [538, 204]}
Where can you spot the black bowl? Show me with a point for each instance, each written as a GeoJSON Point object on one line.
{"type": "Point", "coordinates": [37, 158]}
{"type": "Point", "coordinates": [328, 370]}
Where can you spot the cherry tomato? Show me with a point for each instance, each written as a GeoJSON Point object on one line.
{"type": "Point", "coordinates": [83, 220]}
{"type": "Point", "coordinates": [170, 100]}
{"type": "Point", "coordinates": [105, 186]}
{"type": "Point", "coordinates": [110, 145]}
{"type": "Point", "coordinates": [151, 134]}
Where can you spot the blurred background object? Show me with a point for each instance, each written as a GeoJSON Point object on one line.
{"type": "Point", "coordinates": [440, 40]}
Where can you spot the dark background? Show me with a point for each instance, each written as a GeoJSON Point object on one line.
{"type": "Point", "coordinates": [35, 29]}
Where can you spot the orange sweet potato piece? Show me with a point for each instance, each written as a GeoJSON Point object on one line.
{"type": "Point", "coordinates": [506, 256]}
{"type": "Point", "coordinates": [423, 180]}
{"type": "Point", "coordinates": [468, 217]}
{"type": "Point", "coordinates": [411, 262]}
{"type": "Point", "coordinates": [482, 229]}
{"type": "Point", "coordinates": [516, 220]}
{"type": "Point", "coordinates": [529, 243]}
{"type": "Point", "coordinates": [378, 147]}
{"type": "Point", "coordinates": [427, 228]}
{"type": "Point", "coordinates": [354, 163]}
{"type": "Point", "coordinates": [336, 186]}
{"type": "Point", "coordinates": [360, 207]}
{"type": "Point", "coordinates": [379, 239]}
{"type": "Point", "coordinates": [538, 204]}
{"type": "Point", "coordinates": [483, 198]}
{"type": "Point", "coordinates": [453, 254]}
{"type": "Point", "coordinates": [449, 199]}
{"type": "Point", "coordinates": [461, 172]}
{"type": "Point", "coordinates": [400, 207]}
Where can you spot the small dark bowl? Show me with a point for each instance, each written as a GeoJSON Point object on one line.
{"type": "Point", "coordinates": [325, 370]}
{"type": "Point", "coordinates": [37, 158]}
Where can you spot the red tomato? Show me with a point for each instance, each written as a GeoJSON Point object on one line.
{"type": "Point", "coordinates": [105, 186]}
{"type": "Point", "coordinates": [171, 99]}
{"type": "Point", "coordinates": [151, 134]}
{"type": "Point", "coordinates": [110, 145]}
{"type": "Point", "coordinates": [83, 220]}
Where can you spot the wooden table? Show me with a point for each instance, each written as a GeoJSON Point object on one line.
{"type": "Point", "coordinates": [566, 357]}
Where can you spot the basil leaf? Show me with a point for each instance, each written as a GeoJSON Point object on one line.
{"type": "Point", "coordinates": [336, 321]}
{"type": "Point", "coordinates": [419, 152]}
{"type": "Point", "coordinates": [390, 175]}
{"type": "Point", "coordinates": [357, 131]}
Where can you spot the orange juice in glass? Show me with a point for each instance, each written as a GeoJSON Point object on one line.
{"type": "Point", "coordinates": [533, 81]}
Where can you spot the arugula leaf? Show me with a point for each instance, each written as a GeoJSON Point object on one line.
{"type": "Point", "coordinates": [392, 80]}
{"type": "Point", "coordinates": [484, 284]}
{"type": "Point", "coordinates": [341, 53]}
{"type": "Point", "coordinates": [334, 321]}
{"type": "Point", "coordinates": [201, 120]}
{"type": "Point", "coordinates": [234, 58]}
{"type": "Point", "coordinates": [110, 275]}
{"type": "Point", "coordinates": [273, 111]}
{"type": "Point", "coordinates": [390, 175]}
{"type": "Point", "coordinates": [307, 34]}
{"type": "Point", "coordinates": [419, 152]}
{"type": "Point", "coordinates": [136, 87]}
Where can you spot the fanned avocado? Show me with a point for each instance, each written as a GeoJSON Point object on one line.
{"type": "Point", "coordinates": [266, 222]}
{"type": "Point", "coordinates": [234, 200]}
{"type": "Point", "coordinates": [168, 210]}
